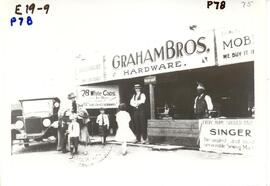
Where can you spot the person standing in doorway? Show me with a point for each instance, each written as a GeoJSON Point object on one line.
{"type": "Point", "coordinates": [104, 123]}
{"type": "Point", "coordinates": [138, 103]}
{"type": "Point", "coordinates": [203, 103]}
{"type": "Point", "coordinates": [202, 106]}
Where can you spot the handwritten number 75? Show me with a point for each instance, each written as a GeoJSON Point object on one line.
{"type": "Point", "coordinates": [246, 3]}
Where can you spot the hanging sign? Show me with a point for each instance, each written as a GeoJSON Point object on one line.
{"type": "Point", "coordinates": [90, 70]}
{"type": "Point", "coordinates": [95, 97]}
{"type": "Point", "coordinates": [150, 80]}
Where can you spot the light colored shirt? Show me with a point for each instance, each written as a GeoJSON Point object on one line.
{"type": "Point", "coordinates": [136, 102]}
{"type": "Point", "coordinates": [103, 119]}
{"type": "Point", "coordinates": [123, 119]}
{"type": "Point", "coordinates": [208, 101]}
{"type": "Point", "coordinates": [166, 111]}
{"type": "Point", "coordinates": [74, 129]}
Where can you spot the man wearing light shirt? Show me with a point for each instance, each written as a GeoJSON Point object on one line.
{"type": "Point", "coordinates": [104, 123]}
{"type": "Point", "coordinates": [74, 133]}
{"type": "Point", "coordinates": [203, 103]}
{"type": "Point", "coordinates": [137, 102]}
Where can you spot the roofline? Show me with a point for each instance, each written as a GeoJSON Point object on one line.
{"type": "Point", "coordinates": [38, 99]}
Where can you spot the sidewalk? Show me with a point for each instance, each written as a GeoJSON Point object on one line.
{"type": "Point", "coordinates": [110, 140]}
{"type": "Point", "coordinates": [105, 165]}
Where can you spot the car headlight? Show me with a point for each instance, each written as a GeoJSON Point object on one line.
{"type": "Point", "coordinates": [56, 104]}
{"type": "Point", "coordinates": [46, 122]}
{"type": "Point", "coordinates": [19, 124]}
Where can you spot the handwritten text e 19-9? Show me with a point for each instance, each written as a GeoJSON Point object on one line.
{"type": "Point", "coordinates": [31, 8]}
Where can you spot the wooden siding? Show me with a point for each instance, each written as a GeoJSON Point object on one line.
{"type": "Point", "coordinates": [173, 132]}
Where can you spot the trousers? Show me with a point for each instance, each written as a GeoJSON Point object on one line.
{"type": "Point", "coordinates": [104, 132]}
{"type": "Point", "coordinates": [140, 124]}
{"type": "Point", "coordinates": [65, 144]}
{"type": "Point", "coordinates": [74, 142]}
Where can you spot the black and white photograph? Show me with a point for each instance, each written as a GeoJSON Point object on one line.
{"type": "Point", "coordinates": [114, 92]}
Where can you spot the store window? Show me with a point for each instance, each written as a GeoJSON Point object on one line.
{"type": "Point", "coordinates": [230, 87]}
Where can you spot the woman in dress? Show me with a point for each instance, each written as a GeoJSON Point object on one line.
{"type": "Point", "coordinates": [124, 133]}
{"type": "Point", "coordinates": [83, 119]}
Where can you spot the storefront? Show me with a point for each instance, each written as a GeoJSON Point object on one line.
{"type": "Point", "coordinates": [223, 60]}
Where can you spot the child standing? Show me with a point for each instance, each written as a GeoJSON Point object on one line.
{"type": "Point", "coordinates": [74, 133]}
{"type": "Point", "coordinates": [124, 133]}
{"type": "Point", "coordinates": [103, 121]}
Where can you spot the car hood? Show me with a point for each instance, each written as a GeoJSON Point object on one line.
{"type": "Point", "coordinates": [38, 115]}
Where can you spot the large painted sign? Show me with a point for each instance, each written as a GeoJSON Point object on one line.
{"type": "Point", "coordinates": [88, 72]}
{"type": "Point", "coordinates": [227, 135]}
{"type": "Point", "coordinates": [95, 97]}
{"type": "Point", "coordinates": [192, 52]}
{"type": "Point", "coordinates": [187, 51]}
{"type": "Point", "coordinates": [234, 46]}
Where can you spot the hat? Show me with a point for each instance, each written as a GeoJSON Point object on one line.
{"type": "Point", "coordinates": [122, 106]}
{"type": "Point", "coordinates": [102, 109]}
{"type": "Point", "coordinates": [71, 95]}
{"type": "Point", "coordinates": [200, 86]}
{"type": "Point", "coordinates": [137, 86]}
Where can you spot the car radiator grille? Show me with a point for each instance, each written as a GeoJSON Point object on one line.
{"type": "Point", "coordinates": [33, 125]}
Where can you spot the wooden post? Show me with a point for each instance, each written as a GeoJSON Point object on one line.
{"type": "Point", "coordinates": [151, 81]}
{"type": "Point", "coordinates": [152, 100]}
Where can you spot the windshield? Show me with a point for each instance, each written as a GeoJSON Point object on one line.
{"type": "Point", "coordinates": [41, 108]}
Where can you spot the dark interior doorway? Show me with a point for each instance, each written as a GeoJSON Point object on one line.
{"type": "Point", "coordinates": [230, 87]}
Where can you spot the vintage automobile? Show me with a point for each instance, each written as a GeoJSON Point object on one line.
{"type": "Point", "coordinates": [38, 121]}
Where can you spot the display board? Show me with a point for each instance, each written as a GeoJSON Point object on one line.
{"type": "Point", "coordinates": [227, 135]}
{"type": "Point", "coordinates": [185, 52]}
{"type": "Point", "coordinates": [234, 46]}
{"type": "Point", "coordinates": [95, 97]}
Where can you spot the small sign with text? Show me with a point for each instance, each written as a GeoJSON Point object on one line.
{"type": "Point", "coordinates": [227, 135]}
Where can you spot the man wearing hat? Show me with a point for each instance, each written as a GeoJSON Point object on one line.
{"type": "Point", "coordinates": [137, 102]}
{"type": "Point", "coordinates": [72, 97]}
{"type": "Point", "coordinates": [64, 120]}
{"type": "Point", "coordinates": [203, 103]}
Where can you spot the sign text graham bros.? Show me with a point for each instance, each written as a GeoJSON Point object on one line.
{"type": "Point", "coordinates": [172, 56]}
